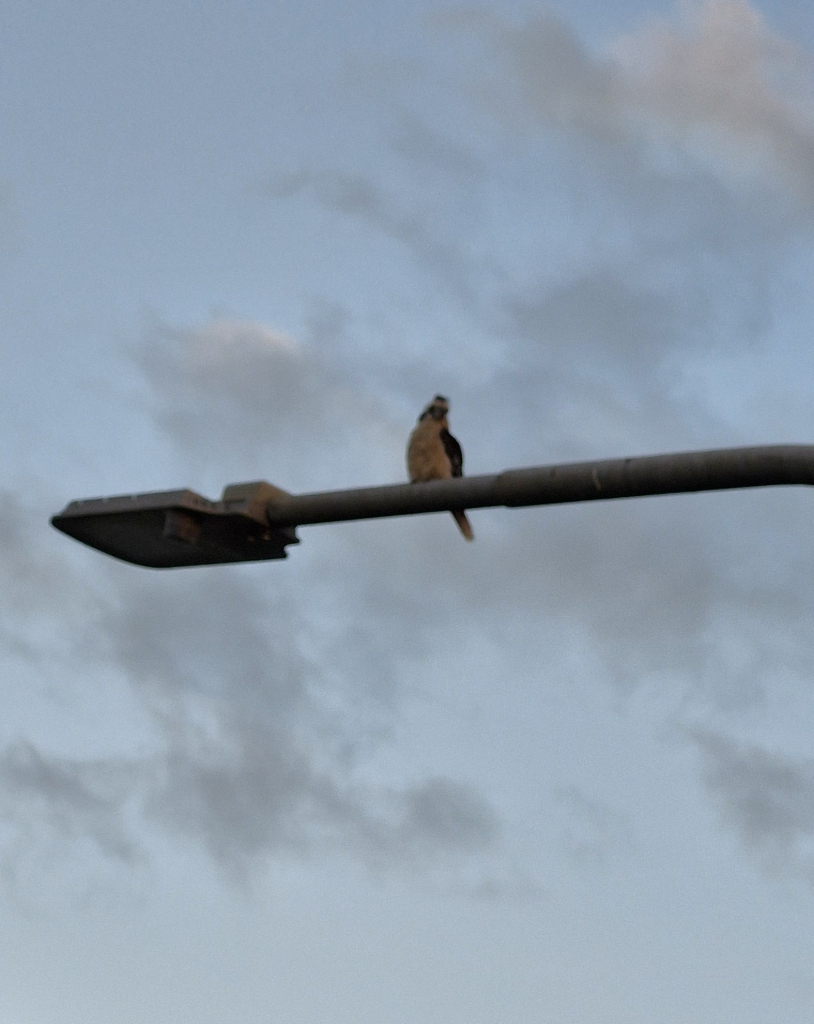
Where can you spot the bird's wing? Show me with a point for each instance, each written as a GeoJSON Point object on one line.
{"type": "Point", "coordinates": [454, 453]}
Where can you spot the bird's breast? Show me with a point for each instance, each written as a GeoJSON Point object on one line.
{"type": "Point", "coordinates": [426, 458]}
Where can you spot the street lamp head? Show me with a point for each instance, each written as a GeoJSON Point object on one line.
{"type": "Point", "coordinates": [170, 529]}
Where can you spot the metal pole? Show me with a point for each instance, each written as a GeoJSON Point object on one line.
{"type": "Point", "coordinates": [256, 521]}
{"type": "Point", "coordinates": [677, 473]}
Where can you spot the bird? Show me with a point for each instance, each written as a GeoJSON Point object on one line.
{"type": "Point", "coordinates": [434, 454]}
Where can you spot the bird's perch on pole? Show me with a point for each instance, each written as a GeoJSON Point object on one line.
{"type": "Point", "coordinates": [256, 521]}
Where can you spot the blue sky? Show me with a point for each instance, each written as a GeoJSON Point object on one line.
{"type": "Point", "coordinates": [563, 773]}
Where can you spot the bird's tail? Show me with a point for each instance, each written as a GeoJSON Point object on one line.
{"type": "Point", "coordinates": [463, 525]}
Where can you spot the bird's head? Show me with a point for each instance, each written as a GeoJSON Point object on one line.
{"type": "Point", "coordinates": [437, 409]}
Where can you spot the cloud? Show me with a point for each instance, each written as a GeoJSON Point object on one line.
{"type": "Point", "coordinates": [242, 398]}
{"type": "Point", "coordinates": [594, 830]}
{"type": "Point", "coordinates": [765, 797]}
{"type": "Point", "coordinates": [446, 815]}
{"type": "Point", "coordinates": [718, 85]}
{"type": "Point", "coordinates": [53, 806]}
{"type": "Point", "coordinates": [252, 793]}
{"type": "Point", "coordinates": [245, 796]}
{"type": "Point", "coordinates": [42, 601]}
{"type": "Point", "coordinates": [250, 749]}
{"type": "Point", "coordinates": [601, 320]}
{"type": "Point", "coordinates": [723, 81]}
{"type": "Point", "coordinates": [357, 197]}
{"type": "Point", "coordinates": [559, 83]}
{"type": "Point", "coordinates": [253, 747]}
{"type": "Point", "coordinates": [75, 796]}
{"type": "Point", "coordinates": [417, 142]}
{"type": "Point", "coordinates": [255, 762]}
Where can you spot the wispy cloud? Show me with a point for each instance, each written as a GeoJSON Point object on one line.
{"type": "Point", "coordinates": [246, 759]}
{"type": "Point", "coordinates": [716, 83]}
{"type": "Point", "coordinates": [242, 397]}
{"type": "Point", "coordinates": [417, 142]}
{"type": "Point", "coordinates": [53, 807]}
{"type": "Point", "coordinates": [766, 797]}
{"type": "Point", "coordinates": [357, 197]}
{"type": "Point", "coordinates": [594, 830]}
{"type": "Point", "coordinates": [721, 81]}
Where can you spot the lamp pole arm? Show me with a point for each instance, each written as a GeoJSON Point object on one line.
{"type": "Point", "coordinates": [719, 469]}
{"type": "Point", "coordinates": [256, 521]}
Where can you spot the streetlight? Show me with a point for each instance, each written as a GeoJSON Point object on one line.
{"type": "Point", "coordinates": [256, 521]}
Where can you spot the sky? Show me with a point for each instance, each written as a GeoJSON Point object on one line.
{"type": "Point", "coordinates": [564, 773]}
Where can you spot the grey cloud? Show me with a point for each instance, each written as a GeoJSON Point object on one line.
{"type": "Point", "coordinates": [653, 127]}
{"type": "Point", "coordinates": [46, 799]}
{"type": "Point", "coordinates": [717, 86]}
{"type": "Point", "coordinates": [559, 82]}
{"type": "Point", "coordinates": [247, 755]}
{"type": "Point", "coordinates": [514, 887]}
{"type": "Point", "coordinates": [249, 792]}
{"type": "Point", "coordinates": [357, 197]}
{"type": "Point", "coordinates": [602, 353]}
{"type": "Point", "coordinates": [414, 140]}
{"type": "Point", "coordinates": [255, 763]}
{"type": "Point", "coordinates": [216, 636]}
{"type": "Point", "coordinates": [245, 796]}
{"type": "Point", "coordinates": [242, 397]}
{"type": "Point", "coordinates": [446, 815]}
{"type": "Point", "coordinates": [765, 797]}
{"type": "Point", "coordinates": [252, 744]}
{"type": "Point", "coordinates": [30, 576]}
{"type": "Point", "coordinates": [594, 830]}
{"type": "Point", "coordinates": [43, 602]}
{"type": "Point", "coordinates": [600, 321]}
{"type": "Point", "coordinates": [725, 73]}
{"type": "Point", "coordinates": [327, 324]}
{"type": "Point", "coordinates": [658, 120]}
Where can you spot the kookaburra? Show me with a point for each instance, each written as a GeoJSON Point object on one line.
{"type": "Point", "coordinates": [434, 454]}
